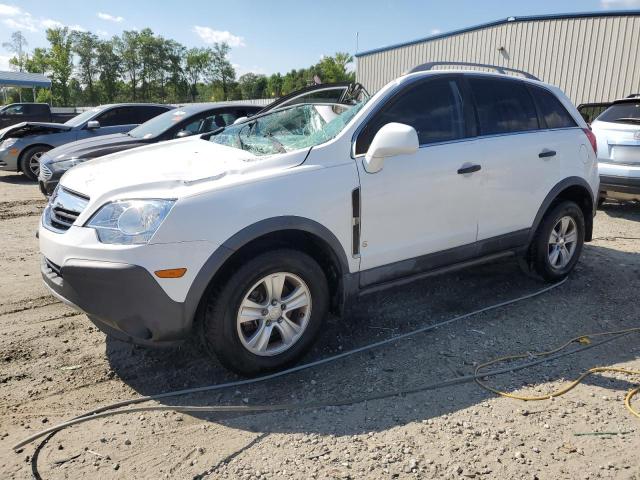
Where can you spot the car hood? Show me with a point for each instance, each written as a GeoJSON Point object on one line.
{"type": "Point", "coordinates": [93, 147]}
{"type": "Point", "coordinates": [32, 128]}
{"type": "Point", "coordinates": [181, 166]}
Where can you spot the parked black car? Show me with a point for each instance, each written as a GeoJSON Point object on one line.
{"type": "Point", "coordinates": [181, 122]}
{"type": "Point", "coordinates": [30, 112]}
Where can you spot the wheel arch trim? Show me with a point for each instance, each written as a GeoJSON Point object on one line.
{"type": "Point", "coordinates": [553, 195]}
{"type": "Point", "coordinates": [249, 233]}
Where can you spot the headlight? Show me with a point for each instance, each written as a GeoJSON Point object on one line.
{"type": "Point", "coordinates": [8, 142]}
{"type": "Point", "coordinates": [67, 164]}
{"type": "Point", "coordinates": [130, 222]}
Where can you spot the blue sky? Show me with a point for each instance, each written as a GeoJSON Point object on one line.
{"type": "Point", "coordinates": [270, 36]}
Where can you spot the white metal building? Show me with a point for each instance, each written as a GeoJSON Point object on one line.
{"type": "Point", "coordinates": [593, 57]}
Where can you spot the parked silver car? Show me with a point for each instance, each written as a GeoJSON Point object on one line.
{"type": "Point", "coordinates": [617, 131]}
{"type": "Point", "coordinates": [23, 144]}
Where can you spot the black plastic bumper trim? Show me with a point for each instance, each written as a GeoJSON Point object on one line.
{"type": "Point", "coordinates": [120, 298]}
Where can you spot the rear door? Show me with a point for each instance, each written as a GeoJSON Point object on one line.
{"type": "Point", "coordinates": [418, 206]}
{"type": "Point", "coordinates": [522, 157]}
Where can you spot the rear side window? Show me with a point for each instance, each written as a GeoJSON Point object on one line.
{"type": "Point", "coordinates": [627, 112]}
{"type": "Point", "coordinates": [144, 113]}
{"type": "Point", "coordinates": [116, 116]}
{"type": "Point", "coordinates": [433, 107]}
{"type": "Point", "coordinates": [37, 109]}
{"type": "Point", "coordinates": [504, 106]}
{"type": "Point", "coordinates": [552, 111]}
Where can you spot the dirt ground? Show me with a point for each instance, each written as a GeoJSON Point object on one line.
{"type": "Point", "coordinates": [55, 365]}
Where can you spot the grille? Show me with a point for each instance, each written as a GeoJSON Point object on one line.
{"type": "Point", "coordinates": [64, 208]}
{"type": "Point", "coordinates": [45, 173]}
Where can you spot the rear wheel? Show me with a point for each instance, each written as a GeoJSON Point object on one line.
{"type": "Point", "coordinates": [557, 244]}
{"type": "Point", "coordinates": [30, 161]}
{"type": "Point", "coordinates": [267, 314]}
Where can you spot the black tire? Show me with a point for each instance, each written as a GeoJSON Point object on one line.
{"type": "Point", "coordinates": [601, 201]}
{"type": "Point", "coordinates": [538, 260]}
{"type": "Point", "coordinates": [218, 319]}
{"type": "Point", "coordinates": [25, 160]}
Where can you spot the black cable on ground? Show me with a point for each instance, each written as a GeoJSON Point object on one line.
{"type": "Point", "coordinates": [333, 358]}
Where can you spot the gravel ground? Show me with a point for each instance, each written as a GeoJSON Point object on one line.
{"type": "Point", "coordinates": [55, 365]}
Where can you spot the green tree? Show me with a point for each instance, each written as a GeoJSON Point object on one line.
{"type": "Point", "coordinates": [17, 46]}
{"type": "Point", "coordinates": [39, 62]}
{"type": "Point", "coordinates": [198, 61]}
{"type": "Point", "coordinates": [221, 70]}
{"type": "Point", "coordinates": [274, 85]}
{"type": "Point", "coordinates": [85, 46]}
{"type": "Point", "coordinates": [334, 69]}
{"type": "Point", "coordinates": [108, 64]}
{"type": "Point", "coordinates": [60, 63]}
{"type": "Point", "coordinates": [252, 86]}
{"type": "Point", "coordinates": [127, 48]}
{"type": "Point", "coordinates": [176, 54]}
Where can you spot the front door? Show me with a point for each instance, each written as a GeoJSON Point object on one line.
{"type": "Point", "coordinates": [420, 211]}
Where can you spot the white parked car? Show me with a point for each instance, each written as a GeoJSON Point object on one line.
{"type": "Point", "coordinates": [248, 238]}
{"type": "Point", "coordinates": [617, 130]}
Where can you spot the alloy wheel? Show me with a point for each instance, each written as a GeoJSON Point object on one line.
{"type": "Point", "coordinates": [274, 313]}
{"type": "Point", "coordinates": [562, 242]}
{"type": "Point", "coordinates": [34, 163]}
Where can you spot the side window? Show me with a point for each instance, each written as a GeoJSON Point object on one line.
{"type": "Point", "coordinates": [209, 123]}
{"type": "Point", "coordinates": [15, 110]}
{"type": "Point", "coordinates": [504, 106]}
{"type": "Point", "coordinates": [143, 113]}
{"type": "Point", "coordinates": [116, 116]}
{"type": "Point", "coordinates": [553, 112]}
{"type": "Point", "coordinates": [433, 107]}
{"type": "Point", "coordinates": [37, 109]}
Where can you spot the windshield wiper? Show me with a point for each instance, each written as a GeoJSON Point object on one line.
{"type": "Point", "coordinates": [627, 119]}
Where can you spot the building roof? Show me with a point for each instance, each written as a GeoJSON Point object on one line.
{"type": "Point", "coordinates": [530, 18]}
{"type": "Point", "coordinates": [24, 79]}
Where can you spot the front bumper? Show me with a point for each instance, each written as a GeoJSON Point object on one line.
{"type": "Point", "coordinates": [9, 159]}
{"type": "Point", "coordinates": [116, 287]}
{"type": "Point", "coordinates": [121, 299]}
{"type": "Point", "coordinates": [48, 186]}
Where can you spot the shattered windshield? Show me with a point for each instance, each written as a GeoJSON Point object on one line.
{"type": "Point", "coordinates": [288, 129]}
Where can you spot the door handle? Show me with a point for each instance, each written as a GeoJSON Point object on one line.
{"type": "Point", "coordinates": [469, 169]}
{"type": "Point", "coordinates": [546, 153]}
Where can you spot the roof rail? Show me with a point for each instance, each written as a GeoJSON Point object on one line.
{"type": "Point", "coordinates": [429, 66]}
{"type": "Point", "coordinates": [634, 95]}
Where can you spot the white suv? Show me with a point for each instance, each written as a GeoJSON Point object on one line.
{"type": "Point", "coordinates": [249, 237]}
{"type": "Point", "coordinates": [617, 130]}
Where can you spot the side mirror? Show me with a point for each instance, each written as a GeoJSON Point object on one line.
{"type": "Point", "coordinates": [183, 133]}
{"type": "Point", "coordinates": [93, 124]}
{"type": "Point", "coordinates": [391, 140]}
{"type": "Point", "coordinates": [239, 120]}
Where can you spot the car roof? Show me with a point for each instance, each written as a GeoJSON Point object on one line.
{"type": "Point", "coordinates": [133, 104]}
{"type": "Point", "coordinates": [204, 106]}
{"type": "Point", "coordinates": [630, 99]}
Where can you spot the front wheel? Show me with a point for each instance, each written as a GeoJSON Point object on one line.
{"type": "Point", "coordinates": [267, 313]}
{"type": "Point", "coordinates": [30, 161]}
{"type": "Point", "coordinates": [557, 244]}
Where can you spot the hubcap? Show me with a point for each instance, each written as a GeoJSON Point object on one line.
{"type": "Point", "coordinates": [34, 163]}
{"type": "Point", "coordinates": [562, 242]}
{"type": "Point", "coordinates": [274, 314]}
